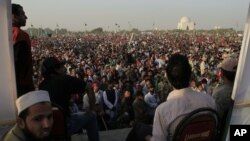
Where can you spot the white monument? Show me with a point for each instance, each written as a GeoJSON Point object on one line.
{"type": "Point", "coordinates": [186, 24]}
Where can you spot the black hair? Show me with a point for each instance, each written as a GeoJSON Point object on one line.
{"type": "Point", "coordinates": [139, 93]}
{"type": "Point", "coordinates": [179, 71]}
{"type": "Point", "coordinates": [228, 74]}
{"type": "Point", "coordinates": [16, 9]}
{"type": "Point", "coordinates": [24, 114]}
{"type": "Point", "coordinates": [204, 81]}
{"type": "Point", "coordinates": [47, 70]}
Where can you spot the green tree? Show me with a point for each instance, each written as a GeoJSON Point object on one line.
{"type": "Point", "coordinates": [97, 30]}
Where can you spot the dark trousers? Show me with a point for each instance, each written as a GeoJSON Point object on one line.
{"type": "Point", "coordinates": [139, 132]}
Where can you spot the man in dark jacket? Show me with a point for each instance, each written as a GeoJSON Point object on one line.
{"type": "Point", "coordinates": [22, 51]}
{"type": "Point", "coordinates": [60, 87]}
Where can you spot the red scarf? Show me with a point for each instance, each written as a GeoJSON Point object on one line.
{"type": "Point", "coordinates": [19, 35]}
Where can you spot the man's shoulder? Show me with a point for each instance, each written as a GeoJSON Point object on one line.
{"type": "Point", "coordinates": [61, 81]}
{"type": "Point", "coordinates": [222, 89]}
{"type": "Point", "coordinates": [14, 134]}
{"type": "Point", "coordinates": [148, 96]}
{"type": "Point", "coordinates": [62, 78]}
{"type": "Point", "coordinates": [137, 102]}
{"type": "Point", "coordinates": [15, 32]}
{"type": "Point", "coordinates": [169, 104]}
{"type": "Point", "coordinates": [70, 78]}
{"type": "Point", "coordinates": [188, 97]}
{"type": "Point", "coordinates": [19, 35]}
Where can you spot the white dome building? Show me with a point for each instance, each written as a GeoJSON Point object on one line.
{"type": "Point", "coordinates": [186, 24]}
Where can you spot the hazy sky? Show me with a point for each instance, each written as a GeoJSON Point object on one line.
{"type": "Point", "coordinates": [141, 14]}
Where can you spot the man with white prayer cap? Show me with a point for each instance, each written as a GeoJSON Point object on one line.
{"type": "Point", "coordinates": [35, 120]}
{"type": "Point", "coordinates": [222, 94]}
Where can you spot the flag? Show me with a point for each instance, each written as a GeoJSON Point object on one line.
{"type": "Point", "coordinates": [131, 38]}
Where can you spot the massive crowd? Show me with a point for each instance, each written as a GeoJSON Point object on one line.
{"type": "Point", "coordinates": [148, 80]}
{"type": "Point", "coordinates": [133, 65]}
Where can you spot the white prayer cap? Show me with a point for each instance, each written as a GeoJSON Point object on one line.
{"type": "Point", "coordinates": [229, 64]}
{"type": "Point", "coordinates": [31, 98]}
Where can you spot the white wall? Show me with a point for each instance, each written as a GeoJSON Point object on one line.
{"type": "Point", "coordinates": [241, 92]}
{"type": "Point", "coordinates": [7, 73]}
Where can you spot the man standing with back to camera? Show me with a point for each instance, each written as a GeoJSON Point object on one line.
{"type": "Point", "coordinates": [181, 101]}
{"type": "Point", "coordinates": [22, 51]}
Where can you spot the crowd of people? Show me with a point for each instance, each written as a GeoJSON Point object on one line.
{"type": "Point", "coordinates": [124, 69]}
{"type": "Point", "coordinates": [116, 80]}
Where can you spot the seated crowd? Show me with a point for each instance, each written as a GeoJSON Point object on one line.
{"type": "Point", "coordinates": [119, 106]}
{"type": "Point", "coordinates": [109, 81]}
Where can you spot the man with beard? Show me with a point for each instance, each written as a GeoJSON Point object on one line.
{"type": "Point", "coordinates": [34, 121]}
{"type": "Point", "coordinates": [22, 51]}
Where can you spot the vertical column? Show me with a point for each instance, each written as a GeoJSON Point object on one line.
{"type": "Point", "coordinates": [7, 71]}
{"type": "Point", "coordinates": [241, 91]}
